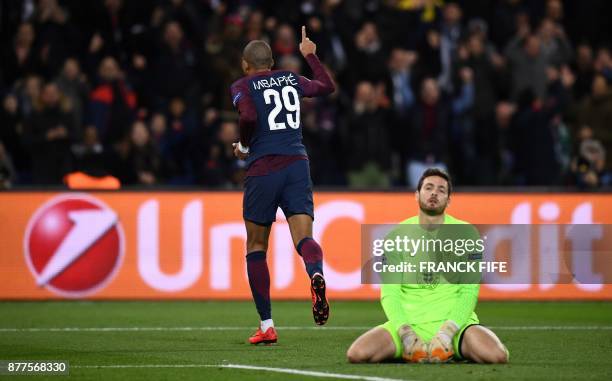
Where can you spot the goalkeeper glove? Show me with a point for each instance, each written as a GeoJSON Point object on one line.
{"type": "Point", "coordinates": [414, 348]}
{"type": "Point", "coordinates": [440, 348]}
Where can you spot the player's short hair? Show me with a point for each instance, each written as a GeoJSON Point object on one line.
{"type": "Point", "coordinates": [258, 54]}
{"type": "Point", "coordinates": [436, 172]}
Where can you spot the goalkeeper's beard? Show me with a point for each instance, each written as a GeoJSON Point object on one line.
{"type": "Point", "coordinates": [431, 211]}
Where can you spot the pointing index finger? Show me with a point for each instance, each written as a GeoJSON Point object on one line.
{"type": "Point", "coordinates": [303, 33]}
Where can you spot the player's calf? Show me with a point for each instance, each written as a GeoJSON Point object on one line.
{"type": "Point", "coordinates": [496, 356]}
{"type": "Point", "coordinates": [490, 356]}
{"type": "Point", "coordinates": [414, 349]}
{"type": "Point", "coordinates": [356, 355]}
{"type": "Point", "coordinates": [375, 345]}
{"type": "Point", "coordinates": [481, 345]}
{"type": "Point", "coordinates": [312, 255]}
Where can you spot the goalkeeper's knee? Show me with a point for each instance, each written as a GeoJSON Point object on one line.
{"type": "Point", "coordinates": [414, 349]}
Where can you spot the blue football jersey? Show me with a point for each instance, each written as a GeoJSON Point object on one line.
{"type": "Point", "coordinates": [276, 96]}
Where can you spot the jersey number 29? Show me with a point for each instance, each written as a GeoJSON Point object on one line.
{"type": "Point", "coordinates": [290, 102]}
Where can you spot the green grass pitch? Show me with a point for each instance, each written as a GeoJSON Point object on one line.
{"type": "Point", "coordinates": [207, 341]}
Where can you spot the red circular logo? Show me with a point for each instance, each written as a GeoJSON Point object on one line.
{"type": "Point", "coordinates": [74, 245]}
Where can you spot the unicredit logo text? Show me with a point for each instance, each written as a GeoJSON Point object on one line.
{"type": "Point", "coordinates": [74, 245]}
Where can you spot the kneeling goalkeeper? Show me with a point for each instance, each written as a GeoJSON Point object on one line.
{"type": "Point", "coordinates": [429, 322]}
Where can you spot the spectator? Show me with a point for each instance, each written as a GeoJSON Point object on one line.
{"type": "Point", "coordinates": [180, 117]}
{"type": "Point", "coordinates": [11, 135]}
{"type": "Point", "coordinates": [176, 67]}
{"type": "Point", "coordinates": [596, 112]}
{"type": "Point", "coordinates": [450, 34]}
{"type": "Point", "coordinates": [89, 154]}
{"type": "Point", "coordinates": [504, 113]}
{"type": "Point", "coordinates": [541, 136]}
{"type": "Point", "coordinates": [254, 26]}
{"type": "Point", "coordinates": [7, 171]}
{"type": "Point", "coordinates": [535, 158]}
{"type": "Point", "coordinates": [488, 83]}
{"type": "Point", "coordinates": [431, 125]}
{"type": "Point", "coordinates": [139, 74]}
{"type": "Point", "coordinates": [479, 29]}
{"type": "Point", "coordinates": [603, 63]}
{"type": "Point", "coordinates": [73, 84]}
{"type": "Point", "coordinates": [583, 68]}
{"type": "Point", "coordinates": [112, 103]}
{"type": "Point", "coordinates": [527, 64]}
{"type": "Point", "coordinates": [49, 133]}
{"type": "Point", "coordinates": [505, 16]}
{"type": "Point", "coordinates": [174, 142]}
{"type": "Point", "coordinates": [22, 58]}
{"type": "Point", "coordinates": [399, 80]}
{"type": "Point", "coordinates": [188, 14]}
{"type": "Point", "coordinates": [159, 137]}
{"type": "Point", "coordinates": [368, 56]}
{"type": "Point", "coordinates": [56, 36]}
{"type": "Point", "coordinates": [475, 139]}
{"type": "Point", "coordinates": [429, 64]}
{"type": "Point", "coordinates": [159, 126]}
{"type": "Point", "coordinates": [560, 82]}
{"type": "Point", "coordinates": [224, 52]}
{"type": "Point", "coordinates": [589, 166]}
{"type": "Point", "coordinates": [399, 84]}
{"type": "Point", "coordinates": [284, 42]}
{"type": "Point", "coordinates": [28, 95]}
{"type": "Point", "coordinates": [330, 46]}
{"type": "Point", "coordinates": [554, 44]}
{"type": "Point", "coordinates": [365, 133]}
{"type": "Point", "coordinates": [234, 169]}
{"type": "Point", "coordinates": [320, 119]}
{"type": "Point", "coordinates": [144, 159]}
{"type": "Point", "coordinates": [111, 31]}
{"type": "Point", "coordinates": [554, 11]}
{"type": "Point", "coordinates": [218, 167]}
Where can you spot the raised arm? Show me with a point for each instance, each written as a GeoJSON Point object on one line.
{"type": "Point", "coordinates": [322, 83]}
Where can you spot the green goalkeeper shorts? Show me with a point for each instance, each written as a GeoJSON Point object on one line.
{"type": "Point", "coordinates": [426, 331]}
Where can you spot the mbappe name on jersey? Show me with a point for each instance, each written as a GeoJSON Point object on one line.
{"type": "Point", "coordinates": [282, 80]}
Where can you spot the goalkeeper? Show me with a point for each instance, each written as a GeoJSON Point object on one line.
{"type": "Point", "coordinates": [430, 321]}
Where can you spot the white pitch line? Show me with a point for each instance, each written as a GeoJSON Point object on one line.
{"type": "Point", "coordinates": [310, 373]}
{"type": "Point", "coordinates": [288, 328]}
{"type": "Point", "coordinates": [146, 329]}
{"type": "Point", "coordinates": [553, 327]}
{"type": "Point", "coordinates": [248, 367]}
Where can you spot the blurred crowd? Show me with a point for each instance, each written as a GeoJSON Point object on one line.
{"type": "Point", "coordinates": [499, 92]}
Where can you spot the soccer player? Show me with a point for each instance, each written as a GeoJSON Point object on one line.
{"type": "Point", "coordinates": [278, 173]}
{"type": "Point", "coordinates": [429, 322]}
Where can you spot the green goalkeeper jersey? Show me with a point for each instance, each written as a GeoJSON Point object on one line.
{"type": "Point", "coordinates": [420, 302]}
